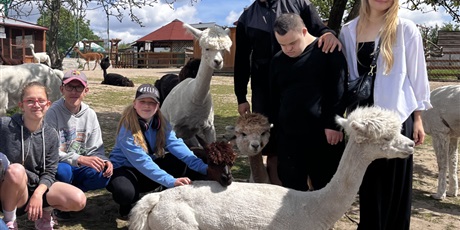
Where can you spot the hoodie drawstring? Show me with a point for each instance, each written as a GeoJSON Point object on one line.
{"type": "Point", "coordinates": [43, 146]}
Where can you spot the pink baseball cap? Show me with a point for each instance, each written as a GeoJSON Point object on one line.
{"type": "Point", "coordinates": [74, 75]}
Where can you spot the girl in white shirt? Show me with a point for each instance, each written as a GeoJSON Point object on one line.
{"type": "Point", "coordinates": [400, 84]}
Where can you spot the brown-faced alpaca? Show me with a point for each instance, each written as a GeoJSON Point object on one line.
{"type": "Point", "coordinates": [220, 158]}
{"type": "Point", "coordinates": [251, 134]}
{"type": "Point", "coordinates": [114, 78]}
{"type": "Point", "coordinates": [40, 57]}
{"type": "Point", "coordinates": [188, 107]}
{"type": "Point", "coordinates": [373, 133]}
{"type": "Point", "coordinates": [92, 56]}
{"type": "Point", "coordinates": [442, 122]}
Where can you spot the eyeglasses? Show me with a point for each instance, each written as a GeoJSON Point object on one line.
{"type": "Point", "coordinates": [78, 88]}
{"type": "Point", "coordinates": [32, 102]}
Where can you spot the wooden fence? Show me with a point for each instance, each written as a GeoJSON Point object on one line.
{"type": "Point", "coordinates": [150, 60]}
{"type": "Point", "coordinates": [446, 66]}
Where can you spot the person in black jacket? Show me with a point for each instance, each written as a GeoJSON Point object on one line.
{"type": "Point", "coordinates": [256, 45]}
{"type": "Point", "coordinates": [306, 89]}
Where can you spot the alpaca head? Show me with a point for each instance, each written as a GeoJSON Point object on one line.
{"type": "Point", "coordinates": [190, 69]}
{"type": "Point", "coordinates": [377, 131]}
{"type": "Point", "coordinates": [251, 133]}
{"type": "Point", "coordinates": [32, 46]}
{"type": "Point", "coordinates": [220, 158]}
{"type": "Point", "coordinates": [105, 63]}
{"type": "Point", "coordinates": [213, 42]}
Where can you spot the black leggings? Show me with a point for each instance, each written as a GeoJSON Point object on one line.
{"type": "Point", "coordinates": [127, 183]}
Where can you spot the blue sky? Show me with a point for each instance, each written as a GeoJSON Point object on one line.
{"type": "Point", "coordinates": [223, 12]}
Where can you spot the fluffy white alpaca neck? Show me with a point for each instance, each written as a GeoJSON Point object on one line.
{"type": "Point", "coordinates": [202, 83]}
{"type": "Point", "coordinates": [340, 192]}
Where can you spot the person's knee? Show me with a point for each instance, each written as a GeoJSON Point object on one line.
{"type": "Point", "coordinates": [96, 181]}
{"type": "Point", "coordinates": [15, 174]}
{"type": "Point", "coordinates": [80, 201]}
{"type": "Point", "coordinates": [64, 173]}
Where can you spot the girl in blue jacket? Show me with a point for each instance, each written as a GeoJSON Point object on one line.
{"type": "Point", "coordinates": [147, 153]}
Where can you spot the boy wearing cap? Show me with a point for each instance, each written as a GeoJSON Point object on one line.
{"type": "Point", "coordinates": [81, 152]}
{"type": "Point", "coordinates": [139, 156]}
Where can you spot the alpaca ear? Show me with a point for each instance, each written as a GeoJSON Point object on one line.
{"type": "Point", "coordinates": [230, 133]}
{"type": "Point", "coordinates": [341, 121]}
{"type": "Point", "coordinates": [195, 32]}
{"type": "Point", "coordinates": [360, 131]}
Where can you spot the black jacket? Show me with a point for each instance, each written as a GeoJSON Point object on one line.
{"type": "Point", "coordinates": [256, 43]}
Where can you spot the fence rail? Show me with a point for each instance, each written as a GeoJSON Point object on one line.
{"type": "Point", "coordinates": [150, 60]}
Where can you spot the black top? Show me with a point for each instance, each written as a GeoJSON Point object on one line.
{"type": "Point", "coordinates": [306, 92]}
{"type": "Point", "coordinates": [256, 43]}
{"type": "Point", "coordinates": [365, 55]}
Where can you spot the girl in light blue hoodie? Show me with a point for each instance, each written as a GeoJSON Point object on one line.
{"type": "Point", "coordinates": [139, 159]}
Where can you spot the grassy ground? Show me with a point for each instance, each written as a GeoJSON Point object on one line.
{"type": "Point", "coordinates": [109, 101]}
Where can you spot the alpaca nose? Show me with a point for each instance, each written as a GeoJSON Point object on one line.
{"type": "Point", "coordinates": [218, 62]}
{"type": "Point", "coordinates": [412, 144]}
{"type": "Point", "coordinates": [255, 145]}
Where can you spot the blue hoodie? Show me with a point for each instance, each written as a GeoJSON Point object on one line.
{"type": "Point", "coordinates": [126, 153]}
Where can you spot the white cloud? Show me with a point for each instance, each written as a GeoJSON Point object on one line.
{"type": "Point", "coordinates": [427, 17]}
{"type": "Point", "coordinates": [232, 17]}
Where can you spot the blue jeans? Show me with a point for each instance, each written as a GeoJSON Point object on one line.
{"type": "Point", "coordinates": [84, 177]}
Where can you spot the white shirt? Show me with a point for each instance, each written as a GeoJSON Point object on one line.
{"type": "Point", "coordinates": [405, 88]}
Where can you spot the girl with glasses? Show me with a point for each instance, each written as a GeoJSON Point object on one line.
{"type": "Point", "coordinates": [30, 149]}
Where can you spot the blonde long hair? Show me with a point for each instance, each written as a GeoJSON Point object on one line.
{"type": "Point", "coordinates": [129, 119]}
{"type": "Point", "coordinates": [388, 32]}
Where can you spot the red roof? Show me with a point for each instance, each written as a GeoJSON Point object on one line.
{"type": "Point", "coordinates": [174, 31]}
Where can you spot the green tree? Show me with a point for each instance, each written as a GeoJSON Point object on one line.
{"type": "Point", "coordinates": [68, 34]}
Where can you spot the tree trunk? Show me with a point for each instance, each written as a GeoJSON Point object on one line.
{"type": "Point", "coordinates": [336, 15]}
{"type": "Point", "coordinates": [53, 33]}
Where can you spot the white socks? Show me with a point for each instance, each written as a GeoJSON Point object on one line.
{"type": "Point", "coordinates": [9, 215]}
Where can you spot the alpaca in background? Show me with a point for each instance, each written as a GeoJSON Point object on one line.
{"type": "Point", "coordinates": [113, 78]}
{"type": "Point", "coordinates": [168, 81]}
{"type": "Point", "coordinates": [92, 56]}
{"type": "Point", "coordinates": [40, 57]}
{"type": "Point", "coordinates": [188, 107]}
{"type": "Point", "coordinates": [442, 122]}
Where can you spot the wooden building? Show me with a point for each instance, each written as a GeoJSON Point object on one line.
{"type": "Point", "coordinates": [17, 35]}
{"type": "Point", "coordinates": [447, 63]}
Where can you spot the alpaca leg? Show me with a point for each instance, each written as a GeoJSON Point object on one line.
{"type": "Point", "coordinates": [48, 61]}
{"type": "Point", "coordinates": [440, 145]}
{"type": "Point", "coordinates": [95, 64]}
{"type": "Point", "coordinates": [453, 161]}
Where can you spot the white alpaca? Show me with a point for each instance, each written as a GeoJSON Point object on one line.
{"type": "Point", "coordinates": [13, 78]}
{"type": "Point", "coordinates": [373, 133]}
{"type": "Point", "coordinates": [40, 57]}
{"type": "Point", "coordinates": [251, 133]}
{"type": "Point", "coordinates": [188, 106]}
{"type": "Point", "coordinates": [442, 122]}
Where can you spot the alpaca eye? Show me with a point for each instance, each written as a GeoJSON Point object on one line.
{"type": "Point", "coordinates": [243, 134]}
{"type": "Point", "coordinates": [387, 138]}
